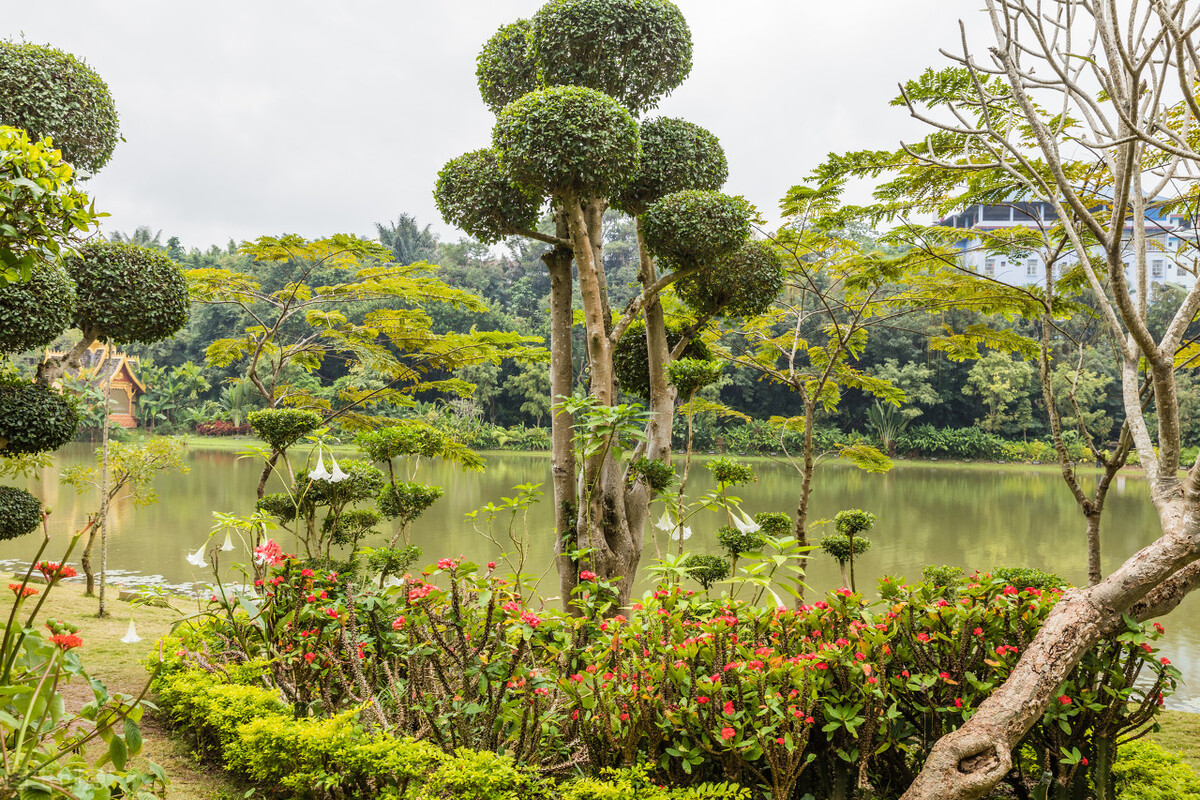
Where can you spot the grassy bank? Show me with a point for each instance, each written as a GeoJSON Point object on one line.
{"type": "Point", "coordinates": [116, 664]}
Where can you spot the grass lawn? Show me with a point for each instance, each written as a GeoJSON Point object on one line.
{"type": "Point", "coordinates": [116, 664]}
{"type": "Point", "coordinates": [1181, 732]}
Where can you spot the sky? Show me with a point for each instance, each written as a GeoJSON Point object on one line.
{"type": "Point", "coordinates": [261, 117]}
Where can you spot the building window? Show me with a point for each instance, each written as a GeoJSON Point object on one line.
{"type": "Point", "coordinates": [1031, 267]}
{"type": "Point", "coordinates": [989, 266]}
{"type": "Point", "coordinates": [1156, 268]}
{"type": "Point", "coordinates": [997, 213]}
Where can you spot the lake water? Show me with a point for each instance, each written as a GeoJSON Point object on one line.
{"type": "Point", "coordinates": [974, 517]}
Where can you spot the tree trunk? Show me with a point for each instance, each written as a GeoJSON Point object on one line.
{"type": "Point", "coordinates": [104, 498]}
{"type": "Point", "coordinates": [806, 474]}
{"type": "Point", "coordinates": [562, 381]}
{"type": "Point", "coordinates": [85, 561]}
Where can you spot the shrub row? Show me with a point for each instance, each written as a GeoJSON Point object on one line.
{"type": "Point", "coordinates": [232, 719]}
{"type": "Point", "coordinates": [220, 427]}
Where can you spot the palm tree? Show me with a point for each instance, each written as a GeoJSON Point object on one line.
{"type": "Point", "coordinates": [409, 243]}
{"type": "Point", "coordinates": [141, 237]}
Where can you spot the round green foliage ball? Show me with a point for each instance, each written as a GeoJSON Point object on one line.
{"type": "Point", "coordinates": [404, 438]}
{"type": "Point", "coordinates": [839, 546]}
{"type": "Point", "coordinates": [363, 482]}
{"type": "Point", "coordinates": [567, 139]}
{"type": "Point", "coordinates": [34, 312]}
{"type": "Point", "coordinates": [475, 194]}
{"type": "Point", "coordinates": [635, 51]}
{"type": "Point", "coordinates": [126, 293]}
{"type": "Point", "coordinates": [690, 375]}
{"type": "Point", "coordinates": [743, 285]}
{"type": "Point", "coordinates": [657, 474]}
{"type": "Point", "coordinates": [631, 359]}
{"type": "Point", "coordinates": [853, 521]}
{"type": "Point", "coordinates": [696, 228]}
{"type": "Point", "coordinates": [505, 68]}
{"type": "Point", "coordinates": [774, 523]}
{"type": "Point", "coordinates": [728, 472]}
{"type": "Point", "coordinates": [51, 93]}
{"type": "Point", "coordinates": [706, 569]}
{"type": "Point", "coordinates": [735, 542]}
{"type": "Point", "coordinates": [34, 419]}
{"type": "Point", "coordinates": [283, 427]}
{"type": "Point", "coordinates": [20, 512]}
{"type": "Point", "coordinates": [407, 501]}
{"type": "Point", "coordinates": [677, 156]}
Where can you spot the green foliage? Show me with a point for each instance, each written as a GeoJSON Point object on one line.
{"type": "Point", "coordinates": [961, 443]}
{"type": "Point", "coordinates": [35, 419]}
{"type": "Point", "coordinates": [35, 312]}
{"type": "Point", "coordinates": [406, 438]}
{"type": "Point", "coordinates": [843, 548]}
{"type": "Point", "coordinates": [407, 501]}
{"type": "Point", "coordinates": [742, 285]}
{"type": "Point", "coordinates": [631, 357]}
{"type": "Point", "coordinates": [278, 505]}
{"type": "Point", "coordinates": [635, 51]}
{"type": "Point", "coordinates": [475, 194]}
{"type": "Point", "coordinates": [1004, 386]}
{"type": "Point", "coordinates": [391, 560]}
{"type": "Point", "coordinates": [944, 575]}
{"type": "Point", "coordinates": [774, 523]}
{"type": "Point", "coordinates": [567, 139]}
{"type": "Point", "coordinates": [657, 474]}
{"type": "Point", "coordinates": [1145, 771]}
{"type": "Point", "coordinates": [728, 472]}
{"type": "Point", "coordinates": [50, 93]}
{"type": "Point", "coordinates": [126, 293]}
{"type": "Point", "coordinates": [484, 775]}
{"type": "Point", "coordinates": [706, 569]}
{"type": "Point", "coordinates": [505, 68]}
{"type": "Point", "coordinates": [736, 541]}
{"type": "Point", "coordinates": [696, 228]}
{"type": "Point", "coordinates": [20, 513]}
{"type": "Point", "coordinates": [42, 210]}
{"type": "Point", "coordinates": [282, 427]}
{"type": "Point", "coordinates": [677, 155]}
{"type": "Point", "coordinates": [1024, 577]}
{"type": "Point", "coordinates": [690, 375]}
{"type": "Point", "coordinates": [853, 521]}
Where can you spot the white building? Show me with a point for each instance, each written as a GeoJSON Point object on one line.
{"type": "Point", "coordinates": [1167, 259]}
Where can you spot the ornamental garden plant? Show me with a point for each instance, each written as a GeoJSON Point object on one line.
{"type": "Point", "coordinates": [315, 683]}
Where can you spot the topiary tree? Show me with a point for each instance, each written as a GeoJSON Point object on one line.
{"type": "Point", "coordinates": [34, 312]}
{"type": "Point", "coordinates": [631, 358]}
{"type": "Point", "coordinates": [567, 88]}
{"type": "Point", "coordinates": [849, 523]}
{"type": "Point", "coordinates": [50, 93]}
{"type": "Point", "coordinates": [36, 418]}
{"type": "Point", "coordinates": [743, 284]}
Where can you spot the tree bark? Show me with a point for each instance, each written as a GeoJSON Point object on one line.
{"type": "Point", "coordinates": [806, 475]}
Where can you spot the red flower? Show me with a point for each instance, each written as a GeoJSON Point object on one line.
{"type": "Point", "coordinates": [1066, 701]}
{"type": "Point", "coordinates": [779, 740]}
{"type": "Point", "coordinates": [1083, 761]}
{"type": "Point", "coordinates": [978, 631]}
{"type": "Point", "coordinates": [28, 591]}
{"type": "Point", "coordinates": [587, 575]}
{"type": "Point", "coordinates": [729, 708]}
{"type": "Point", "coordinates": [727, 733]}
{"type": "Point", "coordinates": [1010, 590]}
{"type": "Point", "coordinates": [445, 563]}
{"type": "Point", "coordinates": [306, 573]}
{"type": "Point", "coordinates": [1159, 628]}
{"type": "Point", "coordinates": [309, 657]}
{"type": "Point", "coordinates": [66, 640]}
{"type": "Point", "coordinates": [398, 623]}
{"type": "Point", "coordinates": [624, 717]}
{"type": "Point", "coordinates": [958, 702]}
{"type": "Point", "coordinates": [530, 620]}
{"type": "Point", "coordinates": [701, 700]}
{"type": "Point", "coordinates": [53, 571]}
{"type": "Point", "coordinates": [1165, 661]}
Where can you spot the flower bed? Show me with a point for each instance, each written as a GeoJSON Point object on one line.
{"type": "Point", "coordinates": [457, 664]}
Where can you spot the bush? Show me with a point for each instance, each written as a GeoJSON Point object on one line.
{"type": "Point", "coordinates": [20, 513]}
{"type": "Point", "coordinates": [220, 427]}
{"type": "Point", "coordinates": [1145, 771]}
{"type": "Point", "coordinates": [35, 312]}
{"type": "Point", "coordinates": [36, 418]}
{"type": "Point", "coordinates": [282, 427]}
{"type": "Point", "coordinates": [127, 293]}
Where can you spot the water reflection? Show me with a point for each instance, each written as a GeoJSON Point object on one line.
{"type": "Point", "coordinates": [975, 518]}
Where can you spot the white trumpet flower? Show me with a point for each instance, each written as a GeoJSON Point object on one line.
{"type": "Point", "coordinates": [131, 635]}
{"type": "Point", "coordinates": [687, 533]}
{"type": "Point", "coordinates": [196, 559]}
{"type": "Point", "coordinates": [337, 475]}
{"type": "Point", "coordinates": [227, 545]}
{"type": "Point", "coordinates": [320, 473]}
{"type": "Point", "coordinates": [665, 523]}
{"type": "Point", "coordinates": [745, 524]}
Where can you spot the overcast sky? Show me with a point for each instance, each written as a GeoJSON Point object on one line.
{"type": "Point", "coordinates": [251, 117]}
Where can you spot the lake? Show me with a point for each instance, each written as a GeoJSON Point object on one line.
{"type": "Point", "coordinates": [971, 516]}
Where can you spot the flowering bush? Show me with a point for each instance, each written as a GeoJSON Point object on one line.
{"type": "Point", "coordinates": [839, 694]}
